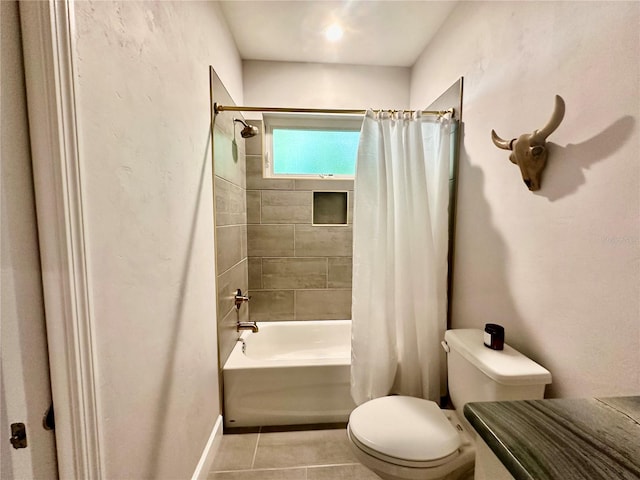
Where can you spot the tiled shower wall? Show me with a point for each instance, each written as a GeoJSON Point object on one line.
{"type": "Point", "coordinates": [297, 271]}
{"type": "Point", "coordinates": [230, 220]}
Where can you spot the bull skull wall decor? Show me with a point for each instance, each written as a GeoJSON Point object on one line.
{"type": "Point", "coordinates": [529, 151]}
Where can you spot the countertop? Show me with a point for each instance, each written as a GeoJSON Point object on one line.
{"type": "Point", "coordinates": [562, 439]}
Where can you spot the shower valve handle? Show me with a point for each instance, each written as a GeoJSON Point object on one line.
{"type": "Point", "coordinates": [240, 298]}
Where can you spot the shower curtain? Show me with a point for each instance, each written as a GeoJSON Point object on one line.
{"type": "Point", "coordinates": [400, 255]}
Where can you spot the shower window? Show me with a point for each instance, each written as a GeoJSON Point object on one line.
{"type": "Point", "coordinates": [304, 146]}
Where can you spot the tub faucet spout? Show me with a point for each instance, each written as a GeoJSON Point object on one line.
{"type": "Point", "coordinates": [253, 326]}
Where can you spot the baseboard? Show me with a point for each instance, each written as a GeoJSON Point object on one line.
{"type": "Point", "coordinates": [209, 452]}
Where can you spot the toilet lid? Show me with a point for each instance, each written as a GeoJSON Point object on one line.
{"type": "Point", "coordinates": [404, 428]}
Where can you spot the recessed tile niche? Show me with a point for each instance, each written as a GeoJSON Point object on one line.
{"type": "Point", "coordinates": [330, 208]}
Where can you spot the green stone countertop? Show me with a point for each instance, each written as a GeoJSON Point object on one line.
{"type": "Point", "coordinates": [562, 439]}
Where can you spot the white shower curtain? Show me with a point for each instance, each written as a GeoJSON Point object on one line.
{"type": "Point", "coordinates": [400, 255]}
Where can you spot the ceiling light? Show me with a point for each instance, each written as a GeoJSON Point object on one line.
{"type": "Point", "coordinates": [334, 32]}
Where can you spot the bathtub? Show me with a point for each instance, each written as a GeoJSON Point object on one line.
{"type": "Point", "coordinates": [289, 373]}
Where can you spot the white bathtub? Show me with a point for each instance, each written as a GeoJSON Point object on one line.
{"type": "Point", "coordinates": [290, 373]}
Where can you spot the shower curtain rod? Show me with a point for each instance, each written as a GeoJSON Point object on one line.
{"type": "Point", "coordinates": [232, 108]}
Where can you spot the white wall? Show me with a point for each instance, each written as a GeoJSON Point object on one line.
{"type": "Point", "coordinates": [144, 120]}
{"type": "Point", "coordinates": [323, 85]}
{"type": "Point", "coordinates": [559, 268]}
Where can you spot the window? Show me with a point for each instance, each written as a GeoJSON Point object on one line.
{"type": "Point", "coordinates": [304, 146]}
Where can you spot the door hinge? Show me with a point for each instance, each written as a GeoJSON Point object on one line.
{"type": "Point", "coordinates": [18, 435]}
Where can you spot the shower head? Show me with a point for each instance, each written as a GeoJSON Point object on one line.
{"type": "Point", "coordinates": [248, 131]}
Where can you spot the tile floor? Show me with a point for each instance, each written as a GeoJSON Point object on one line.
{"type": "Point", "coordinates": [294, 455]}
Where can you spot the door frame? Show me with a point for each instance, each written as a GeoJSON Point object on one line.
{"type": "Point", "coordinates": [48, 36]}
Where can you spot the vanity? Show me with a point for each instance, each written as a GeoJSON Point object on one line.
{"type": "Point", "coordinates": [557, 439]}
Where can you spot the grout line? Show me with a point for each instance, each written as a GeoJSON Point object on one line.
{"type": "Point", "coordinates": [326, 273]}
{"type": "Point", "coordinates": [274, 469]}
{"type": "Point", "coordinates": [233, 266]}
{"type": "Point", "coordinates": [226, 180]}
{"type": "Point", "coordinates": [322, 465]}
{"type": "Point", "coordinates": [270, 469]}
{"type": "Point", "coordinates": [295, 304]}
{"type": "Point", "coordinates": [255, 451]}
{"type": "Point", "coordinates": [295, 253]}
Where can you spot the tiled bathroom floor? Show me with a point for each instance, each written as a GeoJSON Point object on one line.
{"type": "Point", "coordinates": [296, 455]}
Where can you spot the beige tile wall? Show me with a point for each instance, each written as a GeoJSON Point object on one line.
{"type": "Point", "coordinates": [296, 271]}
{"type": "Point", "coordinates": [230, 200]}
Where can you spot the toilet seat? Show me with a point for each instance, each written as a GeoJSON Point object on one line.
{"type": "Point", "coordinates": [400, 461]}
{"type": "Point", "coordinates": [405, 431]}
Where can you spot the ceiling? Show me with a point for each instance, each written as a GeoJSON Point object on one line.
{"type": "Point", "coordinates": [376, 32]}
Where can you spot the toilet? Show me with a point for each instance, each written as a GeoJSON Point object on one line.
{"type": "Point", "coordinates": [407, 438]}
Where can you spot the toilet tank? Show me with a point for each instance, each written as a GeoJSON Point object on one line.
{"type": "Point", "coordinates": [477, 373]}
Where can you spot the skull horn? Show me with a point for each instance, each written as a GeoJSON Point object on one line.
{"type": "Point", "coordinates": [500, 143]}
{"type": "Point", "coordinates": [553, 123]}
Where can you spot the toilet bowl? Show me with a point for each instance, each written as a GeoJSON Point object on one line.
{"type": "Point", "coordinates": [407, 438]}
